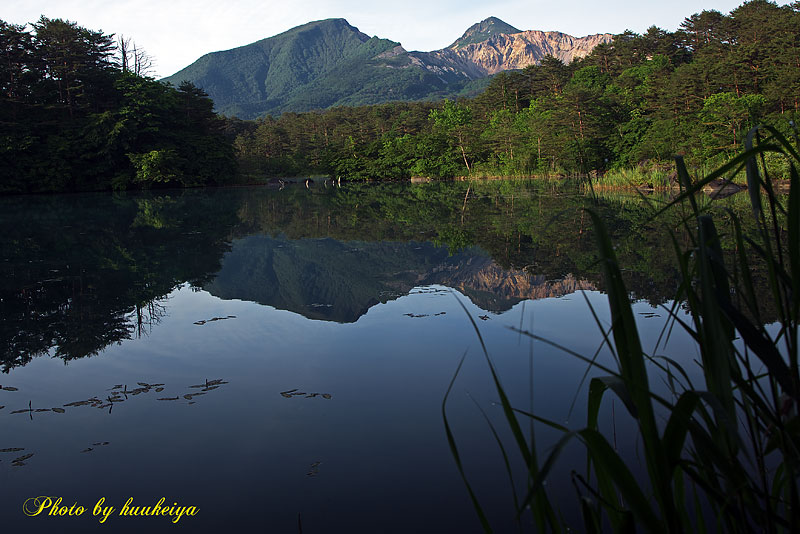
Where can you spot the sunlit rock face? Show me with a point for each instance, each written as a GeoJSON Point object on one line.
{"type": "Point", "coordinates": [516, 51]}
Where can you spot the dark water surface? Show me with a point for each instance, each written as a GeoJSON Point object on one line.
{"type": "Point", "coordinates": [277, 359]}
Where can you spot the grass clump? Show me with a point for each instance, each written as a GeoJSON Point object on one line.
{"type": "Point", "coordinates": [728, 449]}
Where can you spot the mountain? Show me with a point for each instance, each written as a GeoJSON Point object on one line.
{"type": "Point", "coordinates": [331, 63]}
{"type": "Point", "coordinates": [483, 30]}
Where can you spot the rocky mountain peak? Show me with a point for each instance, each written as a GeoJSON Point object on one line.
{"type": "Point", "coordinates": [482, 31]}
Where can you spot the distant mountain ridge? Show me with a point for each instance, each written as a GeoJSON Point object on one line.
{"type": "Point", "coordinates": [331, 63]}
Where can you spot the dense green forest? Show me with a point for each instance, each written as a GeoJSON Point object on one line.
{"type": "Point", "coordinates": [633, 103]}
{"type": "Point", "coordinates": [76, 113]}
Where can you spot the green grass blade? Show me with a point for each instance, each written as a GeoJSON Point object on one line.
{"type": "Point", "coordinates": [454, 451]}
{"type": "Point", "coordinates": [605, 456]}
{"type": "Point", "coordinates": [598, 386]}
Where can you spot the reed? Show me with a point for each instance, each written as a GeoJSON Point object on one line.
{"type": "Point", "coordinates": [728, 449]}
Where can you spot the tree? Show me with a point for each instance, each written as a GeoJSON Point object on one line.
{"type": "Point", "coordinates": [76, 61]}
{"type": "Point", "coordinates": [455, 119]}
{"type": "Point", "coordinates": [132, 58]}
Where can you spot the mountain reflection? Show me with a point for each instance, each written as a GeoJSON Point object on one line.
{"type": "Point", "coordinates": [81, 272]}
{"type": "Point", "coordinates": [339, 281]}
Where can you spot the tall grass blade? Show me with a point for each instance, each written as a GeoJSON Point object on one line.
{"type": "Point", "coordinates": [457, 457]}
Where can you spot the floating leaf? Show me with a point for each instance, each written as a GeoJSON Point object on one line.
{"type": "Point", "coordinates": [326, 395]}
{"type": "Point", "coordinates": [159, 390]}
{"type": "Point", "coordinates": [9, 388]}
{"type": "Point", "coordinates": [59, 410]}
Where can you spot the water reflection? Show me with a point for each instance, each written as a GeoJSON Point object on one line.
{"type": "Point", "coordinates": [295, 344]}
{"type": "Point", "coordinates": [82, 272]}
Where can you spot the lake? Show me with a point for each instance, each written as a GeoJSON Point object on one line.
{"type": "Point", "coordinates": [275, 360]}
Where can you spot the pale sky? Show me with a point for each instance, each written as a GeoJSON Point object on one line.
{"type": "Point", "coordinates": [177, 32]}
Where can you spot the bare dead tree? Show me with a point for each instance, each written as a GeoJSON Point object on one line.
{"type": "Point", "coordinates": [132, 58]}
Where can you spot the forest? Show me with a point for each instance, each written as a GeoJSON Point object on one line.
{"type": "Point", "coordinates": [631, 104]}
{"type": "Point", "coordinates": [79, 113]}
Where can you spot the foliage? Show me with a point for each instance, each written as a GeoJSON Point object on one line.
{"type": "Point", "coordinates": [72, 119]}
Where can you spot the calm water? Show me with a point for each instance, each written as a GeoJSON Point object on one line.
{"type": "Point", "coordinates": [276, 357]}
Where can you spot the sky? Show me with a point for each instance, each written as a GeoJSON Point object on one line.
{"type": "Point", "coordinates": [177, 32]}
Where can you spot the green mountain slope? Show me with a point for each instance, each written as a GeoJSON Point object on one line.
{"type": "Point", "coordinates": [323, 64]}
{"type": "Point", "coordinates": [261, 77]}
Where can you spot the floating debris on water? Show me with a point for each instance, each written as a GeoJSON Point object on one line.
{"type": "Point", "coordinates": [314, 471]}
{"type": "Point", "coordinates": [426, 290]}
{"type": "Point", "coordinates": [169, 398]}
{"type": "Point", "coordinates": [9, 388]}
{"type": "Point", "coordinates": [88, 449]}
{"type": "Point", "coordinates": [79, 403]}
{"type": "Point", "coordinates": [214, 319]}
{"type": "Point", "coordinates": [59, 410]}
{"type": "Point", "coordinates": [159, 390]}
{"type": "Point", "coordinates": [415, 316]}
{"type": "Point", "coordinates": [22, 458]}
{"type": "Point", "coordinates": [294, 393]}
{"type": "Point", "coordinates": [13, 449]}
{"type": "Point", "coordinates": [483, 317]}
